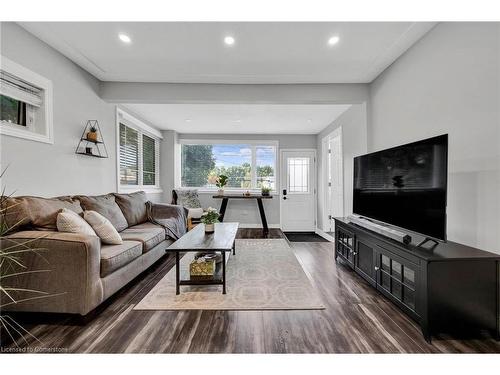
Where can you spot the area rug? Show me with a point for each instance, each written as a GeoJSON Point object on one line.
{"type": "Point", "coordinates": [263, 275]}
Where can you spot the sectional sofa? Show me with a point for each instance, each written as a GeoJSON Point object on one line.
{"type": "Point", "coordinates": [77, 272]}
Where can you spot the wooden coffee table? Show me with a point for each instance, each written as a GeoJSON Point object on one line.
{"type": "Point", "coordinates": [222, 240]}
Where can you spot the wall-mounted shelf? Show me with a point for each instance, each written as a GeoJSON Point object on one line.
{"type": "Point", "coordinates": [91, 141]}
{"type": "Point", "coordinates": [92, 155]}
{"type": "Point", "coordinates": [92, 147]}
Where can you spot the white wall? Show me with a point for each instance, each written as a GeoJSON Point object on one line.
{"type": "Point", "coordinates": [448, 82]}
{"type": "Point", "coordinates": [354, 143]}
{"type": "Point", "coordinates": [245, 212]}
{"type": "Point", "coordinates": [54, 169]}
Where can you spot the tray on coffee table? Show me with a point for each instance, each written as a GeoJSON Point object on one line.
{"type": "Point", "coordinates": [196, 240]}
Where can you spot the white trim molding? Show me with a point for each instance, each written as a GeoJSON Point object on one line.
{"type": "Point", "coordinates": [46, 133]}
{"type": "Point", "coordinates": [136, 123]}
{"type": "Point", "coordinates": [325, 235]}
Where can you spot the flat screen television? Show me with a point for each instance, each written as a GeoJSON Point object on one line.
{"type": "Point", "coordinates": [405, 186]}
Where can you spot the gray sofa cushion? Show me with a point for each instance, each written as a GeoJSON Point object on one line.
{"type": "Point", "coordinates": [133, 207]}
{"type": "Point", "coordinates": [114, 257]}
{"type": "Point", "coordinates": [107, 207]}
{"type": "Point", "coordinates": [148, 234]}
{"type": "Point", "coordinates": [37, 212]}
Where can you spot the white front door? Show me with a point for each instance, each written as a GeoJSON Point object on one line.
{"type": "Point", "coordinates": [298, 190]}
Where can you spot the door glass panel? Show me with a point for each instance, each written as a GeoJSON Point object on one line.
{"type": "Point", "coordinates": [396, 270]}
{"type": "Point", "coordinates": [409, 297]}
{"type": "Point", "coordinates": [386, 263]}
{"type": "Point", "coordinates": [408, 276]}
{"type": "Point", "coordinates": [298, 175]}
{"type": "Point", "coordinates": [396, 289]}
{"type": "Point", "coordinates": [365, 258]}
{"type": "Point", "coordinates": [385, 281]}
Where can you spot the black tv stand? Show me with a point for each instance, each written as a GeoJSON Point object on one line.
{"type": "Point", "coordinates": [427, 239]}
{"type": "Point", "coordinates": [453, 288]}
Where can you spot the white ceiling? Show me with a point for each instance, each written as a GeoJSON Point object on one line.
{"type": "Point", "coordinates": [239, 118]}
{"type": "Point", "coordinates": [287, 52]}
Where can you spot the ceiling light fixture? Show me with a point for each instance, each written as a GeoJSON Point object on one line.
{"type": "Point", "coordinates": [333, 40]}
{"type": "Point", "coordinates": [238, 120]}
{"type": "Point", "coordinates": [229, 40]}
{"type": "Point", "coordinates": [124, 38]}
{"type": "Point", "coordinates": [188, 120]}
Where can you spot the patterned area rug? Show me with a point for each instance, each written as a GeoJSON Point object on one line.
{"type": "Point", "coordinates": [263, 275]}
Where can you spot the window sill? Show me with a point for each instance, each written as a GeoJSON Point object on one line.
{"type": "Point", "coordinates": [17, 131]}
{"type": "Point", "coordinates": [230, 191]}
{"type": "Point", "coordinates": [146, 189]}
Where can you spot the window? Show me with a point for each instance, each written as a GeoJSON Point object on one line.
{"type": "Point", "coordinates": [25, 103]}
{"type": "Point", "coordinates": [138, 156]}
{"type": "Point", "coordinates": [298, 175]}
{"type": "Point", "coordinates": [12, 110]}
{"type": "Point", "coordinates": [129, 156]}
{"type": "Point", "coordinates": [247, 165]}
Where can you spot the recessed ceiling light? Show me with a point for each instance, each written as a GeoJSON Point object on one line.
{"type": "Point", "coordinates": [188, 120]}
{"type": "Point", "coordinates": [124, 38]}
{"type": "Point", "coordinates": [237, 120]}
{"type": "Point", "coordinates": [333, 40]}
{"type": "Point", "coordinates": [229, 40]}
{"type": "Point", "coordinates": [309, 120]}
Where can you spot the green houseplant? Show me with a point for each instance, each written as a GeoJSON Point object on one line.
{"type": "Point", "coordinates": [265, 191]}
{"type": "Point", "coordinates": [12, 266]}
{"type": "Point", "coordinates": [209, 218]}
{"type": "Point", "coordinates": [220, 182]}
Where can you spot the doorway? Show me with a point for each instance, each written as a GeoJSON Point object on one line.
{"type": "Point", "coordinates": [298, 190]}
{"type": "Point", "coordinates": [333, 180]}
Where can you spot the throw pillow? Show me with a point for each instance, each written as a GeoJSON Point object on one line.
{"type": "Point", "coordinates": [103, 228]}
{"type": "Point", "coordinates": [188, 198]}
{"type": "Point", "coordinates": [107, 207]}
{"type": "Point", "coordinates": [133, 207]}
{"type": "Point", "coordinates": [195, 213]}
{"type": "Point", "coordinates": [69, 221]}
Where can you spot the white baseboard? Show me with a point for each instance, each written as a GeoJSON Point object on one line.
{"type": "Point", "coordinates": [325, 235]}
{"type": "Point", "coordinates": [248, 225]}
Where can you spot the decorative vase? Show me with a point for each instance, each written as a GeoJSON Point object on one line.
{"type": "Point", "coordinates": [265, 193]}
{"type": "Point", "coordinates": [92, 136]}
{"type": "Point", "coordinates": [220, 191]}
{"type": "Point", "coordinates": [209, 228]}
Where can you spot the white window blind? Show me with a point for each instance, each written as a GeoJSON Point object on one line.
{"type": "Point", "coordinates": [19, 89]}
{"type": "Point", "coordinates": [149, 155]}
{"type": "Point", "coordinates": [139, 158]}
{"type": "Point", "coordinates": [129, 156]}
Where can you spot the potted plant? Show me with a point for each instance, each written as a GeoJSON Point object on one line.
{"type": "Point", "coordinates": [92, 134]}
{"type": "Point", "coordinates": [221, 181]}
{"type": "Point", "coordinates": [11, 266]}
{"type": "Point", "coordinates": [265, 191]}
{"type": "Point", "coordinates": [209, 218]}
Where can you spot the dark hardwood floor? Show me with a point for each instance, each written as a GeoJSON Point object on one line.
{"type": "Point", "coordinates": [356, 320]}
